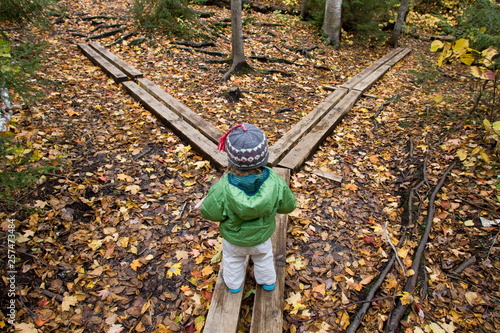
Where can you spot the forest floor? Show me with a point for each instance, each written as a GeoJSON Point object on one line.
{"type": "Point", "coordinates": [121, 206]}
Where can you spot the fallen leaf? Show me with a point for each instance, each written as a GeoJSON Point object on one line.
{"type": "Point", "coordinates": [68, 302]}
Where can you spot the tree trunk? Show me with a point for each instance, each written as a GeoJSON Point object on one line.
{"type": "Point", "coordinates": [403, 9]}
{"type": "Point", "coordinates": [303, 9]}
{"type": "Point", "coordinates": [238, 54]}
{"type": "Point", "coordinates": [333, 21]}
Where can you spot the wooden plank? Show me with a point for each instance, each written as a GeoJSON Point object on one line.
{"type": "Point", "coordinates": [368, 81]}
{"type": "Point", "coordinates": [103, 63]}
{"type": "Point", "coordinates": [267, 315]}
{"type": "Point", "coordinates": [182, 110]}
{"type": "Point", "coordinates": [224, 311]}
{"type": "Point", "coordinates": [182, 129]}
{"type": "Point", "coordinates": [309, 144]}
{"type": "Point", "coordinates": [328, 175]}
{"type": "Point", "coordinates": [287, 141]}
{"type": "Point", "coordinates": [351, 83]}
{"type": "Point", "coordinates": [130, 70]}
{"type": "Point", "coordinates": [398, 57]}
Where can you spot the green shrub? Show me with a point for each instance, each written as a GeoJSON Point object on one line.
{"type": "Point", "coordinates": [169, 15]}
{"type": "Point", "coordinates": [481, 25]}
{"type": "Point", "coordinates": [365, 18]}
{"type": "Point", "coordinates": [22, 11]}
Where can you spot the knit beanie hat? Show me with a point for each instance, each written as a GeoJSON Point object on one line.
{"type": "Point", "coordinates": [246, 147]}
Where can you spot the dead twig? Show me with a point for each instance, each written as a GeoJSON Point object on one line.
{"type": "Point", "coordinates": [50, 294]}
{"type": "Point", "coordinates": [393, 248]}
{"type": "Point", "coordinates": [382, 107]}
{"type": "Point", "coordinates": [399, 311]}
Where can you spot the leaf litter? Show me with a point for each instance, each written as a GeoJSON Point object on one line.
{"type": "Point", "coordinates": [116, 244]}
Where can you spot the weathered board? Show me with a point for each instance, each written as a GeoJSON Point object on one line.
{"type": "Point", "coordinates": [182, 110]}
{"type": "Point", "coordinates": [102, 62]}
{"type": "Point", "coordinates": [130, 70]}
{"type": "Point", "coordinates": [290, 139]}
{"type": "Point", "coordinates": [309, 144]}
{"type": "Point", "coordinates": [370, 80]}
{"type": "Point", "coordinates": [398, 57]}
{"type": "Point", "coordinates": [182, 129]}
{"type": "Point", "coordinates": [224, 311]}
{"type": "Point", "coordinates": [268, 306]}
{"type": "Point", "coordinates": [352, 82]}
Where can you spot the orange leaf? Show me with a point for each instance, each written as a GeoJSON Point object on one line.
{"type": "Point", "coordinates": [135, 264]}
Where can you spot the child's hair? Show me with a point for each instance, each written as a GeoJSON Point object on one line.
{"type": "Point", "coordinates": [243, 173]}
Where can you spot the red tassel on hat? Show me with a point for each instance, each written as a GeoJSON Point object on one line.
{"type": "Point", "coordinates": [222, 141]}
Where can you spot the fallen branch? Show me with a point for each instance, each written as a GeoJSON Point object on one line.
{"type": "Point", "coordinates": [398, 312]}
{"type": "Point", "coordinates": [124, 37]}
{"type": "Point", "coordinates": [214, 53]}
{"type": "Point", "coordinates": [106, 34]}
{"type": "Point", "coordinates": [382, 107]}
{"type": "Point", "coordinates": [464, 265]}
{"type": "Point", "coordinates": [192, 44]}
{"type": "Point", "coordinates": [105, 26]}
{"type": "Point", "coordinates": [394, 248]}
{"type": "Point", "coordinates": [50, 294]}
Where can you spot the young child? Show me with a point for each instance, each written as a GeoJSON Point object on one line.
{"type": "Point", "coordinates": [245, 202]}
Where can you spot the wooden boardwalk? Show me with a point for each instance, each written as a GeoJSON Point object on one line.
{"type": "Point", "coordinates": [288, 154]}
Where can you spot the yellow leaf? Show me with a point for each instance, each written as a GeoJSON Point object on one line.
{"type": "Point", "coordinates": [162, 329]}
{"type": "Point", "coordinates": [174, 270]}
{"type": "Point", "coordinates": [476, 72]}
{"type": "Point", "coordinates": [343, 321]}
{"type": "Point", "coordinates": [410, 272]}
{"type": "Point", "coordinates": [95, 244]}
{"type": "Point", "coordinates": [438, 98]}
{"type": "Point", "coordinates": [445, 54]}
{"type": "Point", "coordinates": [136, 264]}
{"type": "Point", "coordinates": [461, 46]}
{"type": "Point", "coordinates": [462, 154]}
{"type": "Point", "coordinates": [402, 253]}
{"type": "Point", "coordinates": [406, 298]}
{"type": "Point", "coordinates": [484, 156]}
{"type": "Point", "coordinates": [391, 283]}
{"type": "Point", "coordinates": [467, 58]}
{"type": "Point", "coordinates": [124, 242]}
{"type": "Point", "coordinates": [436, 45]}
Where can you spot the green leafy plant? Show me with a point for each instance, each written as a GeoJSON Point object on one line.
{"type": "Point", "coordinates": [21, 165]}
{"type": "Point", "coordinates": [483, 65]}
{"type": "Point", "coordinates": [173, 16]}
{"type": "Point", "coordinates": [22, 11]}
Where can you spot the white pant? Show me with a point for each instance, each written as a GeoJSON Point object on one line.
{"type": "Point", "coordinates": [233, 263]}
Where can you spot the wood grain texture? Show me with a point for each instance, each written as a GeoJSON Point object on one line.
{"type": "Point", "coordinates": [116, 74]}
{"type": "Point", "coordinates": [195, 120]}
{"type": "Point", "coordinates": [130, 70]}
{"type": "Point", "coordinates": [181, 128]}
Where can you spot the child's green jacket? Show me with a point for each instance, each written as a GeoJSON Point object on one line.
{"type": "Point", "coordinates": [246, 206]}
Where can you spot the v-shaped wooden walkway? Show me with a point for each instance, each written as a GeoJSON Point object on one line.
{"type": "Point", "coordinates": [288, 154]}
